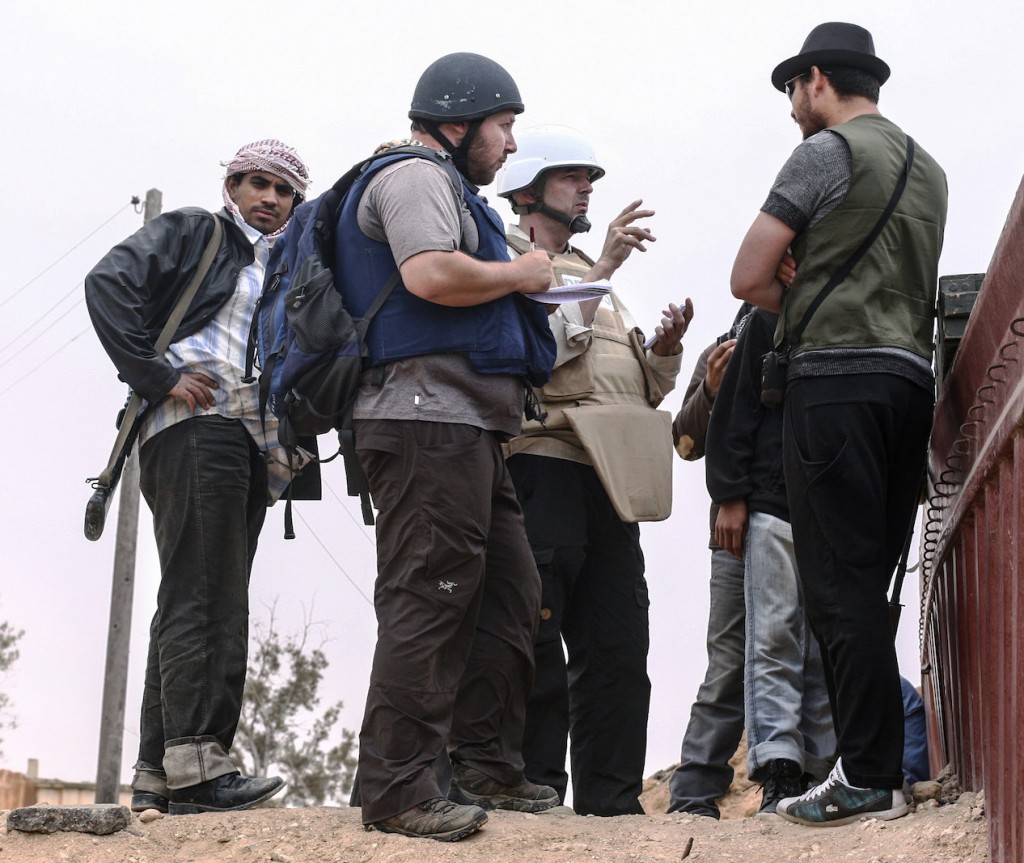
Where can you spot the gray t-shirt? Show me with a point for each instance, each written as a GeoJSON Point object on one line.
{"type": "Point", "coordinates": [812, 183]}
{"type": "Point", "coordinates": [413, 207]}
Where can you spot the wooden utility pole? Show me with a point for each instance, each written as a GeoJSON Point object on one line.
{"type": "Point", "coordinates": [115, 677]}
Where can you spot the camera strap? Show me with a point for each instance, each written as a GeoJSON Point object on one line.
{"type": "Point", "coordinates": [846, 268]}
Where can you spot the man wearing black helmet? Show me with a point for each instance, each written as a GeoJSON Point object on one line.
{"type": "Point", "coordinates": [453, 352]}
{"type": "Point", "coordinates": [862, 211]}
{"type": "Point", "coordinates": [582, 492]}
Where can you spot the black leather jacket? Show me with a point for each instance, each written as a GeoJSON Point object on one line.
{"type": "Point", "coordinates": [744, 440]}
{"type": "Point", "coordinates": [130, 293]}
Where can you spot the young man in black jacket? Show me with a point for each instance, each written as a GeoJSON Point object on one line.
{"type": "Point", "coordinates": [204, 459]}
{"type": "Point", "coordinates": [788, 719]}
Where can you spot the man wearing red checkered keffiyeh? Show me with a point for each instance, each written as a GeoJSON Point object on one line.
{"type": "Point", "coordinates": [207, 467]}
{"type": "Point", "coordinates": [268, 156]}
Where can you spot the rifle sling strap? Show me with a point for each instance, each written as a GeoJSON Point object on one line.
{"type": "Point", "coordinates": [135, 402]}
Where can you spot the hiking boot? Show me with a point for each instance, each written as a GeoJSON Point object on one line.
{"type": "Point", "coordinates": [470, 786]}
{"type": "Point", "coordinates": [143, 800]}
{"type": "Point", "coordinates": [226, 793]}
{"type": "Point", "coordinates": [436, 818]}
{"type": "Point", "coordinates": [782, 779]}
{"type": "Point", "coordinates": [836, 802]}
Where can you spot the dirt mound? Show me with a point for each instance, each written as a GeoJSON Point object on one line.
{"type": "Point", "coordinates": [742, 801]}
{"type": "Point", "coordinates": [955, 833]}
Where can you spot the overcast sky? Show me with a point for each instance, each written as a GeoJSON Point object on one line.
{"type": "Point", "coordinates": [104, 100]}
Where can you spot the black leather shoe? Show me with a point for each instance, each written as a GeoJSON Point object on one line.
{"type": "Point", "coordinates": [223, 794]}
{"type": "Point", "coordinates": [143, 800]}
{"type": "Point", "coordinates": [782, 779]}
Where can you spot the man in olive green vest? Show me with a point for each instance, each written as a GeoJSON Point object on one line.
{"type": "Point", "coordinates": [859, 396]}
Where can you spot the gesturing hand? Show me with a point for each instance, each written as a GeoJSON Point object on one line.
{"type": "Point", "coordinates": [623, 236]}
{"type": "Point", "coordinates": [672, 327]}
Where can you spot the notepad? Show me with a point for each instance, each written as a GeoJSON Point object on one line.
{"type": "Point", "coordinates": [572, 293]}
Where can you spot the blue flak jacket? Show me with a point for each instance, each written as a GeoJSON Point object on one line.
{"type": "Point", "coordinates": [508, 336]}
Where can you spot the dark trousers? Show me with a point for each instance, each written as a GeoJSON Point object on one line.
{"type": "Point", "coordinates": [594, 596]}
{"type": "Point", "coordinates": [206, 483]}
{"type": "Point", "coordinates": [854, 453]}
{"type": "Point", "coordinates": [457, 599]}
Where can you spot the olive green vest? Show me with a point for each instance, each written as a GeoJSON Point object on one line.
{"type": "Point", "coordinates": [888, 300]}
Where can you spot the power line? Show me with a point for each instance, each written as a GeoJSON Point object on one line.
{"type": "Point", "coordinates": [44, 331]}
{"type": "Point", "coordinates": [68, 252]}
{"type": "Point", "coordinates": [327, 551]}
{"type": "Point", "coordinates": [348, 512]}
{"type": "Point", "coordinates": [38, 366]}
{"type": "Point", "coordinates": [38, 320]}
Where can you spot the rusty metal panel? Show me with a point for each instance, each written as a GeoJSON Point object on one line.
{"type": "Point", "coordinates": [972, 587]}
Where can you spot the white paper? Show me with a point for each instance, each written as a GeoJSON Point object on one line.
{"type": "Point", "coordinates": [572, 293]}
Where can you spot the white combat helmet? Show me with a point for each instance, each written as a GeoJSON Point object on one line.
{"type": "Point", "coordinates": [542, 148]}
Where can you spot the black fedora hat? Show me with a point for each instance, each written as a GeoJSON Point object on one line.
{"type": "Point", "coordinates": [837, 44]}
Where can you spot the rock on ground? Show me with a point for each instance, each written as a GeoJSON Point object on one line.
{"type": "Point", "coordinates": [100, 818]}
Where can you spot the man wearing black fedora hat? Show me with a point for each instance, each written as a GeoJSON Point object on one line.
{"type": "Point", "coordinates": [846, 248]}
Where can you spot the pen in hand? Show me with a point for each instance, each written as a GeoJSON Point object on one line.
{"type": "Point", "coordinates": [533, 241]}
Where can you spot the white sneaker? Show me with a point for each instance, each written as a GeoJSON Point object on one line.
{"type": "Point", "coordinates": [836, 802]}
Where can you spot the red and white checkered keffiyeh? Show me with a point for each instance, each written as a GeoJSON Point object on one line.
{"type": "Point", "coordinates": [272, 156]}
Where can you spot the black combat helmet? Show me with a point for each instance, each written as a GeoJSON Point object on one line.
{"type": "Point", "coordinates": [463, 86]}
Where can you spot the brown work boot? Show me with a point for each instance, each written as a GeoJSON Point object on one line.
{"type": "Point", "coordinates": [436, 818]}
{"type": "Point", "coordinates": [470, 786]}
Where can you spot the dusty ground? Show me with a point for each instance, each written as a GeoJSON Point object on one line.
{"type": "Point", "coordinates": [934, 834]}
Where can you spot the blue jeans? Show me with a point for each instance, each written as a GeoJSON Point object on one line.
{"type": "Point", "coordinates": [787, 706]}
{"type": "Point", "coordinates": [206, 483]}
{"type": "Point", "coordinates": [716, 718]}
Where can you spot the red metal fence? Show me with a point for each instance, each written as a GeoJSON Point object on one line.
{"type": "Point", "coordinates": [972, 590]}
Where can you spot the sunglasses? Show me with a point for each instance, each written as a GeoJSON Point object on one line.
{"type": "Point", "coordinates": [790, 85]}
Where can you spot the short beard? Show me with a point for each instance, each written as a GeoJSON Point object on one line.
{"type": "Point", "coordinates": [813, 122]}
{"type": "Point", "coordinates": [477, 173]}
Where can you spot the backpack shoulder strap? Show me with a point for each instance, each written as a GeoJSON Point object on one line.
{"type": "Point", "coordinates": [332, 200]}
{"type": "Point", "coordinates": [325, 221]}
{"type": "Point", "coordinates": [431, 155]}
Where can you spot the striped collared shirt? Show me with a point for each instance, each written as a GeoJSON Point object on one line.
{"type": "Point", "coordinates": [218, 350]}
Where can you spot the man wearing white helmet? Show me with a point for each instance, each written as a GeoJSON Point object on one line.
{"type": "Point", "coordinates": [204, 467]}
{"type": "Point", "coordinates": [598, 464]}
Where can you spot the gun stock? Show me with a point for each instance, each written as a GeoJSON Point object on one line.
{"type": "Point", "coordinates": [96, 513]}
{"type": "Point", "coordinates": [129, 421]}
